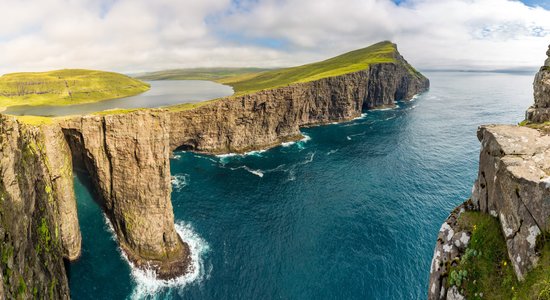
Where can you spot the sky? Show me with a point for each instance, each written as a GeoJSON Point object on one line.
{"type": "Point", "coordinates": [145, 35]}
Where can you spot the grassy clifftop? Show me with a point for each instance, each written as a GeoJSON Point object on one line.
{"type": "Point", "coordinates": [383, 52]}
{"type": "Point", "coordinates": [66, 87]}
{"type": "Point", "coordinates": [249, 80]}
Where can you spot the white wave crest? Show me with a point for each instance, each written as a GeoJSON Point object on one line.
{"type": "Point", "coordinates": [363, 115]}
{"type": "Point", "coordinates": [287, 144]}
{"type": "Point", "coordinates": [332, 151]}
{"type": "Point", "coordinates": [147, 282]}
{"type": "Point", "coordinates": [306, 138]}
{"type": "Point", "coordinates": [179, 181]}
{"type": "Point", "coordinates": [258, 172]}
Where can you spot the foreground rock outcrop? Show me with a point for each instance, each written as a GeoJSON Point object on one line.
{"type": "Point", "coordinates": [513, 185]}
{"type": "Point", "coordinates": [127, 156]}
{"type": "Point", "coordinates": [38, 222]}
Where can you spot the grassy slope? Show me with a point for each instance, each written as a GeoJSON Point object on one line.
{"type": "Point", "coordinates": [198, 73]}
{"type": "Point", "coordinates": [65, 87]}
{"type": "Point", "coordinates": [486, 268]}
{"type": "Point", "coordinates": [383, 52]}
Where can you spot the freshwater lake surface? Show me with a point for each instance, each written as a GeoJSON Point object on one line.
{"type": "Point", "coordinates": [350, 212]}
{"type": "Point", "coordinates": [162, 93]}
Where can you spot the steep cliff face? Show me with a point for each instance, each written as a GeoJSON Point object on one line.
{"type": "Point", "coordinates": [128, 158]}
{"type": "Point", "coordinates": [540, 111]}
{"type": "Point", "coordinates": [513, 185]}
{"type": "Point", "coordinates": [36, 230]}
{"type": "Point", "coordinates": [267, 118]}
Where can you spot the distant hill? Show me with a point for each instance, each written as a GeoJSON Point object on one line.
{"type": "Point", "coordinates": [65, 87]}
{"type": "Point", "coordinates": [197, 73]}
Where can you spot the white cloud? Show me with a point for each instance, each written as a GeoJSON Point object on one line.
{"type": "Point", "coordinates": [136, 35]}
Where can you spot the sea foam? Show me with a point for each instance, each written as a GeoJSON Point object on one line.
{"type": "Point", "coordinates": [179, 181]}
{"type": "Point", "coordinates": [147, 283]}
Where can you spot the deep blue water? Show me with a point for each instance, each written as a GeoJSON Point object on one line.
{"type": "Point", "coordinates": [162, 93]}
{"type": "Point", "coordinates": [351, 213]}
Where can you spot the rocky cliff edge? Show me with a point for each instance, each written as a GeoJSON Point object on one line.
{"type": "Point", "coordinates": [513, 186]}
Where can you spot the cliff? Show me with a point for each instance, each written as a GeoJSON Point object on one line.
{"type": "Point", "coordinates": [38, 218]}
{"type": "Point", "coordinates": [127, 155]}
{"type": "Point", "coordinates": [512, 187]}
{"type": "Point", "coordinates": [267, 118]}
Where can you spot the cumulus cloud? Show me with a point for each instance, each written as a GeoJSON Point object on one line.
{"type": "Point", "coordinates": [139, 35]}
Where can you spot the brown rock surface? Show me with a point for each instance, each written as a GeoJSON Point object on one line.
{"type": "Point", "coordinates": [31, 236]}
{"type": "Point", "coordinates": [128, 158]}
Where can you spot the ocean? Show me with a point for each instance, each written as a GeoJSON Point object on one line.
{"type": "Point", "coordinates": [352, 211]}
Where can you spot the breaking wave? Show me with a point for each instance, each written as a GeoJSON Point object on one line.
{"type": "Point", "coordinates": [179, 181]}
{"type": "Point", "coordinates": [147, 283]}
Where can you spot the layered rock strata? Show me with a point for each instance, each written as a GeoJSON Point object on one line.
{"type": "Point", "coordinates": [38, 222]}
{"type": "Point", "coordinates": [127, 157]}
{"type": "Point", "coordinates": [268, 118]}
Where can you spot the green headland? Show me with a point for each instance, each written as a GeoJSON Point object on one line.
{"type": "Point", "coordinates": [66, 87]}
{"type": "Point", "coordinates": [249, 80]}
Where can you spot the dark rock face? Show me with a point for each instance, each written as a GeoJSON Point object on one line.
{"type": "Point", "coordinates": [35, 228]}
{"type": "Point", "coordinates": [267, 118]}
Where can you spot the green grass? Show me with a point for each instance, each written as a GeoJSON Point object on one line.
{"type": "Point", "coordinates": [198, 73]}
{"type": "Point", "coordinates": [384, 52]}
{"type": "Point", "coordinates": [485, 268]}
{"type": "Point", "coordinates": [66, 87]}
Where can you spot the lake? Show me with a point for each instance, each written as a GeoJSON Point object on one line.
{"type": "Point", "coordinates": [162, 93]}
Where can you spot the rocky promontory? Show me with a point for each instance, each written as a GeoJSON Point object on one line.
{"type": "Point", "coordinates": [127, 156]}
{"type": "Point", "coordinates": [513, 188]}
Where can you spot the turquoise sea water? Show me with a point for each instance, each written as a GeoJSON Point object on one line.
{"type": "Point", "coordinates": [350, 212]}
